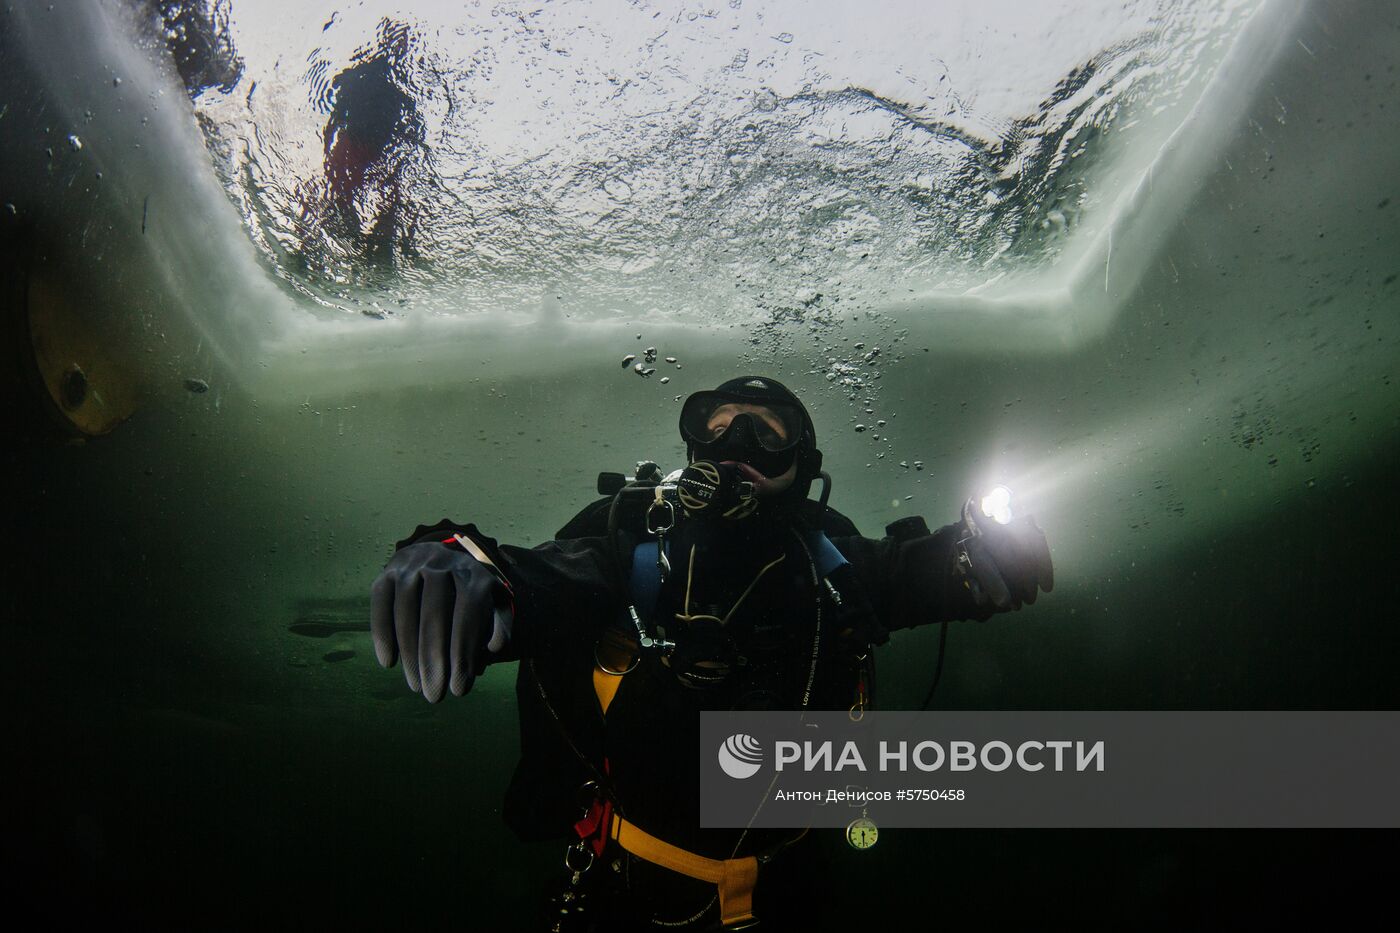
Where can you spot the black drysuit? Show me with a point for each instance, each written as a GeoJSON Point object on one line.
{"type": "Point", "coordinates": [644, 753]}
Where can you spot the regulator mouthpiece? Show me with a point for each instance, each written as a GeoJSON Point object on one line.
{"type": "Point", "coordinates": [707, 488]}
{"type": "Point", "coordinates": [996, 505]}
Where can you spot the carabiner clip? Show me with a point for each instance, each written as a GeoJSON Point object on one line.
{"type": "Point", "coordinates": [655, 527]}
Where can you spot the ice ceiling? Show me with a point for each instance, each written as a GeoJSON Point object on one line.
{"type": "Point", "coordinates": [703, 162]}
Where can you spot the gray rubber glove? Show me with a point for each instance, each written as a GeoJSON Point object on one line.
{"type": "Point", "coordinates": [443, 612]}
{"type": "Point", "coordinates": [1003, 565]}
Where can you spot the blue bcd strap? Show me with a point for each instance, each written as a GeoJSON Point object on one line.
{"type": "Point", "coordinates": [646, 576]}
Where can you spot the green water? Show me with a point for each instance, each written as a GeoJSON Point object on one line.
{"type": "Point", "coordinates": [200, 736]}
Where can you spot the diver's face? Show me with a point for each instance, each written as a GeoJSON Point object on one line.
{"type": "Point", "coordinates": [767, 421]}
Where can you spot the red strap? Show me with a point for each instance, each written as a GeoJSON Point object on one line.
{"type": "Point", "coordinates": [597, 822]}
{"type": "Point", "coordinates": [594, 825]}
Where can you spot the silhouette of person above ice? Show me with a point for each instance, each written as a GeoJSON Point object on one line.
{"type": "Point", "coordinates": [370, 138]}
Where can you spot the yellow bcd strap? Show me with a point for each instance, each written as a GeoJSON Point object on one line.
{"type": "Point", "coordinates": [735, 877]}
{"type": "Point", "coordinates": [605, 685]}
{"type": "Point", "coordinates": [613, 656]}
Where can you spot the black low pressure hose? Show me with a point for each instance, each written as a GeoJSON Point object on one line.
{"type": "Point", "coordinates": [938, 668]}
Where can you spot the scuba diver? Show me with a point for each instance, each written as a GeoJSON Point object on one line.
{"type": "Point", "coordinates": [722, 586]}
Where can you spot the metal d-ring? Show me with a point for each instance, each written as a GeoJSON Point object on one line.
{"type": "Point", "coordinates": [583, 847]}
{"type": "Point", "coordinates": [636, 659]}
{"type": "Point", "coordinates": [587, 793]}
{"type": "Point", "coordinates": [670, 516]}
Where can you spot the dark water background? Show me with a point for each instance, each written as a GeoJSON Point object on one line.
{"type": "Point", "coordinates": [158, 780]}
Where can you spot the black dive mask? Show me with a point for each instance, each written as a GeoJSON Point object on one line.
{"type": "Point", "coordinates": [750, 440]}
{"type": "Point", "coordinates": [755, 421]}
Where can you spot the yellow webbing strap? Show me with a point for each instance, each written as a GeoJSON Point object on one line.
{"type": "Point", "coordinates": [735, 877]}
{"type": "Point", "coordinates": [605, 685]}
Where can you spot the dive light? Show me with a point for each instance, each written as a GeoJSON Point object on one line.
{"type": "Point", "coordinates": [996, 505]}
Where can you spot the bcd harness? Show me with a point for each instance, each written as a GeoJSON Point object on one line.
{"type": "Point", "coordinates": [734, 878]}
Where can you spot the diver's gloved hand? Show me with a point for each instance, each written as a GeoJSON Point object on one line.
{"type": "Point", "coordinates": [1003, 565]}
{"type": "Point", "coordinates": [444, 612]}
